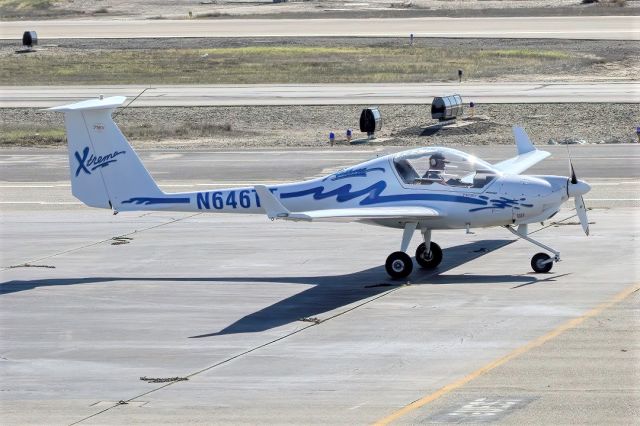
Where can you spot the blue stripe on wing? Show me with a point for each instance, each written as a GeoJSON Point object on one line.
{"type": "Point", "coordinates": [150, 200]}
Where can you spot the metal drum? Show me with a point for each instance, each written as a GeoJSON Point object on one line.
{"type": "Point", "coordinates": [446, 107]}
{"type": "Point", "coordinates": [370, 121]}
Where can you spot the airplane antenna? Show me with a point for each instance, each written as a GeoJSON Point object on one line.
{"type": "Point", "coordinates": [132, 101]}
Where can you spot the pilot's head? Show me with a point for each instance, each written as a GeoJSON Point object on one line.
{"type": "Point", "coordinates": [436, 161]}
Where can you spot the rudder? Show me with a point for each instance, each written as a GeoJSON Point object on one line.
{"type": "Point", "coordinates": [105, 170]}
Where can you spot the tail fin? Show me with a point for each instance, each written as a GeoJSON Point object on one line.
{"type": "Point", "coordinates": [527, 156]}
{"type": "Point", "coordinates": [523, 143]}
{"type": "Point", "coordinates": [105, 170]}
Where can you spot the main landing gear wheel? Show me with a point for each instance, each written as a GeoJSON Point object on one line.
{"type": "Point", "coordinates": [431, 260]}
{"type": "Point", "coordinates": [399, 265]}
{"type": "Point", "coordinates": [539, 262]}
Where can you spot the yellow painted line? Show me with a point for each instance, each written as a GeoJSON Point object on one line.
{"type": "Point", "coordinates": [514, 354]}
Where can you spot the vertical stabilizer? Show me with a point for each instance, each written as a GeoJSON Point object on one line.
{"type": "Point", "coordinates": [523, 143]}
{"type": "Point", "coordinates": [105, 170]}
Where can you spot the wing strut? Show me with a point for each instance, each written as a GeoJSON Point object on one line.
{"type": "Point", "coordinates": [409, 229]}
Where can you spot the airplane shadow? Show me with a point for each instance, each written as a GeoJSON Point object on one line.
{"type": "Point", "coordinates": [329, 292]}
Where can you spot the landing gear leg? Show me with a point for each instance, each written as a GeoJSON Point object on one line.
{"type": "Point", "coordinates": [540, 262]}
{"type": "Point", "coordinates": [399, 264]}
{"type": "Point", "coordinates": [428, 254]}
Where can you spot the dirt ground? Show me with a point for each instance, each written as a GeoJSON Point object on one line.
{"type": "Point", "coordinates": [178, 9]}
{"type": "Point", "coordinates": [309, 126]}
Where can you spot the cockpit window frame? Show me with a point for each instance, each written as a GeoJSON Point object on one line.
{"type": "Point", "coordinates": [410, 178]}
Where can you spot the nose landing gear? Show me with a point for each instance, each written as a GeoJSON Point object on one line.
{"type": "Point", "coordinates": [540, 262]}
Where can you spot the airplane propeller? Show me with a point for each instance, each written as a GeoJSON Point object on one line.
{"type": "Point", "coordinates": [575, 189]}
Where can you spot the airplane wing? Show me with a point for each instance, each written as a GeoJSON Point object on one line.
{"type": "Point", "coordinates": [527, 156]}
{"type": "Point", "coordinates": [275, 210]}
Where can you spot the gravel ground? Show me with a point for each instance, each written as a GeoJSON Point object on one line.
{"type": "Point", "coordinates": [309, 126]}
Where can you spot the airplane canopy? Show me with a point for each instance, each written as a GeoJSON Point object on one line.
{"type": "Point", "coordinates": [444, 166]}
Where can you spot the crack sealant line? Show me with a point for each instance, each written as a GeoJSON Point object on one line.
{"type": "Point", "coordinates": [555, 222]}
{"type": "Point", "coordinates": [4, 268]}
{"type": "Point", "coordinates": [241, 354]}
{"type": "Point", "coordinates": [271, 342]}
{"type": "Point", "coordinates": [178, 220]}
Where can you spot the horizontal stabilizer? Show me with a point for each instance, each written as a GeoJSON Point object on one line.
{"type": "Point", "coordinates": [272, 206]}
{"type": "Point", "coordinates": [105, 103]}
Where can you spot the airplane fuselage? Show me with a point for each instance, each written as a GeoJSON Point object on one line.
{"type": "Point", "coordinates": [506, 200]}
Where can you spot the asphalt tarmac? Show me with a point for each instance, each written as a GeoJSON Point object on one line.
{"type": "Point", "coordinates": [292, 323]}
{"type": "Point", "coordinates": [556, 27]}
{"type": "Point", "coordinates": [326, 94]}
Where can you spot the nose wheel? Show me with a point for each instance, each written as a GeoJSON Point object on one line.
{"type": "Point", "coordinates": [398, 265]}
{"type": "Point", "coordinates": [541, 262]}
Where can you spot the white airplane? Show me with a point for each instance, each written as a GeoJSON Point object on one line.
{"type": "Point", "coordinates": [421, 189]}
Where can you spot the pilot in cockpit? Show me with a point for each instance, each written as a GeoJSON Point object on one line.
{"type": "Point", "coordinates": [435, 172]}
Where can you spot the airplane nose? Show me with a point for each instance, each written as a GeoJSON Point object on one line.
{"type": "Point", "coordinates": [579, 188]}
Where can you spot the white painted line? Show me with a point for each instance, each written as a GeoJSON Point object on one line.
{"type": "Point", "coordinates": [621, 179]}
{"type": "Point", "coordinates": [245, 160]}
{"type": "Point", "coordinates": [29, 186]}
{"type": "Point", "coordinates": [628, 182]}
{"type": "Point", "coordinates": [63, 154]}
{"type": "Point", "coordinates": [47, 203]}
{"type": "Point", "coordinates": [187, 185]}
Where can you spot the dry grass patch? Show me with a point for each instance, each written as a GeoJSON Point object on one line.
{"type": "Point", "coordinates": [27, 135]}
{"type": "Point", "coordinates": [279, 64]}
{"type": "Point", "coordinates": [32, 9]}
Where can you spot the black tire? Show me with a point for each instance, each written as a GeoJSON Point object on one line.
{"type": "Point", "coordinates": [538, 266]}
{"type": "Point", "coordinates": [434, 259]}
{"type": "Point", "coordinates": [398, 265]}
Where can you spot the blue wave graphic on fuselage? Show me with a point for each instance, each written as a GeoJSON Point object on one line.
{"type": "Point", "coordinates": [149, 201]}
{"type": "Point", "coordinates": [503, 203]}
{"type": "Point", "coordinates": [362, 172]}
{"type": "Point", "coordinates": [374, 195]}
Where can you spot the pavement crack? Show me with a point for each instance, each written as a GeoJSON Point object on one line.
{"type": "Point", "coordinates": [314, 320]}
{"type": "Point", "coordinates": [163, 379]}
{"type": "Point", "coordinates": [239, 355]}
{"type": "Point", "coordinates": [268, 343]}
{"type": "Point", "coordinates": [30, 265]}
{"type": "Point", "coordinates": [123, 236]}
{"type": "Point", "coordinates": [117, 241]}
{"type": "Point", "coordinates": [379, 285]}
